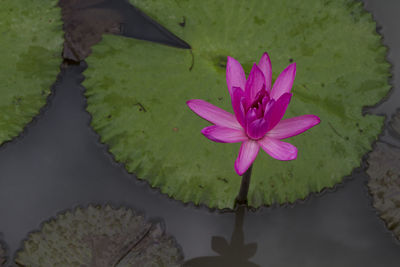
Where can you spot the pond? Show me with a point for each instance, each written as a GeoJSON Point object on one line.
{"type": "Point", "coordinates": [59, 163]}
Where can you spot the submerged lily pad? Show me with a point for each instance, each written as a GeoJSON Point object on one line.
{"type": "Point", "coordinates": [395, 125]}
{"type": "Point", "coordinates": [3, 254]}
{"type": "Point", "coordinates": [137, 93]}
{"type": "Point", "coordinates": [31, 44]}
{"type": "Point", "coordinates": [384, 182]}
{"type": "Point", "coordinates": [101, 237]}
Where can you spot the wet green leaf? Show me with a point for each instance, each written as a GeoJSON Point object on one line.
{"type": "Point", "coordinates": [31, 43]}
{"type": "Point", "coordinates": [137, 92]}
{"type": "Point", "coordinates": [384, 182]}
{"type": "Point", "coordinates": [101, 237]}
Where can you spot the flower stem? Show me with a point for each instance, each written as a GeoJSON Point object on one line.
{"type": "Point", "coordinates": [241, 199]}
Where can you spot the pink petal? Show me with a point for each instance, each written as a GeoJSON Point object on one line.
{"type": "Point", "coordinates": [278, 149]}
{"type": "Point", "coordinates": [257, 128]}
{"type": "Point", "coordinates": [255, 83]}
{"type": "Point", "coordinates": [277, 110]}
{"type": "Point", "coordinates": [268, 106]}
{"type": "Point", "coordinates": [247, 154]}
{"type": "Point", "coordinates": [293, 126]}
{"type": "Point", "coordinates": [238, 101]}
{"type": "Point", "coordinates": [265, 67]}
{"type": "Point", "coordinates": [251, 116]}
{"type": "Point", "coordinates": [235, 75]}
{"type": "Point", "coordinates": [284, 82]}
{"type": "Point", "coordinates": [213, 114]}
{"type": "Point", "coordinates": [224, 134]}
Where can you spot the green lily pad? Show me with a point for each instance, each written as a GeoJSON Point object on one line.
{"type": "Point", "coordinates": [137, 92]}
{"type": "Point", "coordinates": [31, 39]}
{"type": "Point", "coordinates": [384, 182]}
{"type": "Point", "coordinates": [101, 237]}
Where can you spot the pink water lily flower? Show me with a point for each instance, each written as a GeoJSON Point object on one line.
{"type": "Point", "coordinates": [258, 109]}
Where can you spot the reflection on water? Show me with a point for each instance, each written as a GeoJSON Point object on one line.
{"type": "Point", "coordinates": [235, 253]}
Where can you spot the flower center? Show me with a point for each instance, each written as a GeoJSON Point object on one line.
{"type": "Point", "coordinates": [260, 102]}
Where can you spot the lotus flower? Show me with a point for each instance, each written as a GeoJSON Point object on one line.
{"type": "Point", "coordinates": [259, 110]}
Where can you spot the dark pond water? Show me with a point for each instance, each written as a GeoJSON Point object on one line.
{"type": "Point", "coordinates": [58, 163]}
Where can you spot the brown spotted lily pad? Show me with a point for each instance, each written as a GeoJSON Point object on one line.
{"type": "Point", "coordinates": [102, 237]}
{"type": "Point", "coordinates": [384, 182]}
{"type": "Point", "coordinates": [86, 21]}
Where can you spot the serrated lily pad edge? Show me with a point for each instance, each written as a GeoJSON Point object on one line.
{"type": "Point", "coordinates": [311, 195]}
{"type": "Point", "coordinates": [36, 118]}
{"type": "Point", "coordinates": [214, 209]}
{"type": "Point", "coordinates": [50, 92]}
